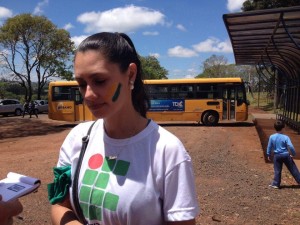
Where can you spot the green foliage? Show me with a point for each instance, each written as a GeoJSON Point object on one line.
{"type": "Point", "coordinates": [216, 66]}
{"type": "Point", "coordinates": [3, 91]}
{"type": "Point", "coordinates": [10, 90]}
{"type": "Point", "coordinates": [250, 5]}
{"type": "Point", "coordinates": [152, 69]}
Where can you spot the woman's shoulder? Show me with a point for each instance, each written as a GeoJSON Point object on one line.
{"type": "Point", "coordinates": [169, 141]}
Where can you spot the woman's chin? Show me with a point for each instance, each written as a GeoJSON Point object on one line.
{"type": "Point", "coordinates": [97, 114]}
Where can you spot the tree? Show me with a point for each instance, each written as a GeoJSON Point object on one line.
{"type": "Point", "coordinates": [250, 5]}
{"type": "Point", "coordinates": [214, 66]}
{"type": "Point", "coordinates": [33, 48]}
{"type": "Point", "coordinates": [152, 69]}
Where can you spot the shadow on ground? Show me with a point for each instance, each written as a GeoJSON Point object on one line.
{"type": "Point", "coordinates": [186, 124]}
{"type": "Point", "coordinates": [14, 127]}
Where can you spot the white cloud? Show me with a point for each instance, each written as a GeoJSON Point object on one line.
{"type": "Point", "coordinates": [156, 55]}
{"type": "Point", "coordinates": [213, 45]}
{"type": "Point", "coordinates": [68, 26]}
{"type": "Point", "coordinates": [5, 13]}
{"type": "Point", "coordinates": [234, 5]}
{"type": "Point", "coordinates": [179, 51]}
{"type": "Point", "coordinates": [150, 33]}
{"type": "Point", "coordinates": [180, 73]}
{"type": "Point", "coordinates": [38, 10]}
{"type": "Point", "coordinates": [189, 76]}
{"type": "Point", "coordinates": [78, 39]}
{"type": "Point", "coordinates": [180, 27]}
{"type": "Point", "coordinates": [126, 19]}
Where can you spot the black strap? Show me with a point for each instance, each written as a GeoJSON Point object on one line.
{"type": "Point", "coordinates": [85, 141]}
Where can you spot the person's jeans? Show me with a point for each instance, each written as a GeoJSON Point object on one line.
{"type": "Point", "coordinates": [290, 164]}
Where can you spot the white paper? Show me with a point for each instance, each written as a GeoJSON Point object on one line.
{"type": "Point", "coordinates": [16, 185]}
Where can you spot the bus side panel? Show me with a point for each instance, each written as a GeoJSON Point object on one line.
{"type": "Point", "coordinates": [195, 108]}
{"type": "Point", "coordinates": [83, 113]}
{"type": "Point", "coordinates": [79, 112]}
{"type": "Point", "coordinates": [64, 111]}
{"type": "Point", "coordinates": [192, 111]}
{"type": "Point", "coordinates": [242, 112]}
{"type": "Point", "coordinates": [156, 116]}
{"type": "Point", "coordinates": [87, 113]}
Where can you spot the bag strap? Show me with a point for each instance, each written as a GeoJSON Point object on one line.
{"type": "Point", "coordinates": [85, 141]}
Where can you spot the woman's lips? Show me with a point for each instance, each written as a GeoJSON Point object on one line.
{"type": "Point", "coordinates": [95, 106]}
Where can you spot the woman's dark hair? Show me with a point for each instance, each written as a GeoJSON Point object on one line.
{"type": "Point", "coordinates": [118, 48]}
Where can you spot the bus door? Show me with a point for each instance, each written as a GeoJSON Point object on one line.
{"type": "Point", "coordinates": [229, 99]}
{"type": "Point", "coordinates": [81, 111]}
{"type": "Point", "coordinates": [78, 104]}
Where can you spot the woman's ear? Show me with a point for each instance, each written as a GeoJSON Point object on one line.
{"type": "Point", "coordinates": [132, 70]}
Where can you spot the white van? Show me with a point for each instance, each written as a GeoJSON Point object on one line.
{"type": "Point", "coordinates": [10, 106]}
{"type": "Point", "coordinates": [41, 106]}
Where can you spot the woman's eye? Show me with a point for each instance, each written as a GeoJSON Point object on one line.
{"type": "Point", "coordinates": [99, 82]}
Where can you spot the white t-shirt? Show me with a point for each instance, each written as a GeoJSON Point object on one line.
{"type": "Point", "coordinates": [145, 179]}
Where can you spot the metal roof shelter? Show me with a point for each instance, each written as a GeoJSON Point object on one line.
{"type": "Point", "coordinates": [270, 40]}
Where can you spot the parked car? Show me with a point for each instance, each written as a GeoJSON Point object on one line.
{"type": "Point", "coordinates": [10, 106]}
{"type": "Point", "coordinates": [41, 106]}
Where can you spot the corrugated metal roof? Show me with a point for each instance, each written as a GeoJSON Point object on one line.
{"type": "Point", "coordinates": [267, 38]}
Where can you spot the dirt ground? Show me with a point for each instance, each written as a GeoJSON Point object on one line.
{"type": "Point", "coordinates": [232, 176]}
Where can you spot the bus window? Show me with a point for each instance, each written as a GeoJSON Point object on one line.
{"type": "Point", "coordinates": [240, 95]}
{"type": "Point", "coordinates": [158, 91]}
{"type": "Point", "coordinates": [78, 96]}
{"type": "Point", "coordinates": [61, 93]}
{"type": "Point", "coordinates": [206, 91]}
{"type": "Point", "coordinates": [181, 91]}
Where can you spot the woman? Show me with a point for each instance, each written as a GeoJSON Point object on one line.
{"type": "Point", "coordinates": [133, 171]}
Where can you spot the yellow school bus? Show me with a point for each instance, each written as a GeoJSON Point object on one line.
{"type": "Point", "coordinates": [203, 100]}
{"type": "Point", "coordinates": [65, 102]}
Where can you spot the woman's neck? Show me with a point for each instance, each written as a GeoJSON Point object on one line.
{"type": "Point", "coordinates": [120, 128]}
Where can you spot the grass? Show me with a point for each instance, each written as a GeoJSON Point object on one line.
{"type": "Point", "coordinates": [262, 101]}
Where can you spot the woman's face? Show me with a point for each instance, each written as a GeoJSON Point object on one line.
{"type": "Point", "coordinates": [105, 89]}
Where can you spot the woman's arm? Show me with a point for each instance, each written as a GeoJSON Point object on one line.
{"type": "Point", "coordinates": [62, 214]}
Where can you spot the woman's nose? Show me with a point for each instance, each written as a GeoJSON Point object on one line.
{"type": "Point", "coordinates": [89, 93]}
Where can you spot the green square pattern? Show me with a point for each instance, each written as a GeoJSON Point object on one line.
{"type": "Point", "coordinates": [94, 185]}
{"type": "Point", "coordinates": [84, 194]}
{"type": "Point", "coordinates": [102, 180]}
{"type": "Point", "coordinates": [110, 201]}
{"type": "Point", "coordinates": [95, 213]}
{"type": "Point", "coordinates": [121, 168]}
{"type": "Point", "coordinates": [108, 164]}
{"type": "Point", "coordinates": [85, 209]}
{"type": "Point", "coordinates": [89, 177]}
{"type": "Point", "coordinates": [97, 197]}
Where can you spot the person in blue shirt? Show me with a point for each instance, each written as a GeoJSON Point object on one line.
{"type": "Point", "coordinates": [284, 151]}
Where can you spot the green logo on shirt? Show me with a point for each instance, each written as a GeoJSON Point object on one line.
{"type": "Point", "coordinates": [92, 196]}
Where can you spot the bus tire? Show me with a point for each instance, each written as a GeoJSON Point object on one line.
{"type": "Point", "coordinates": [211, 118]}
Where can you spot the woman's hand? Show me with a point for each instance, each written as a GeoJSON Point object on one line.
{"type": "Point", "coordinates": [8, 210]}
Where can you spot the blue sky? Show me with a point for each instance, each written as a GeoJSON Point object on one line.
{"type": "Point", "coordinates": [182, 34]}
